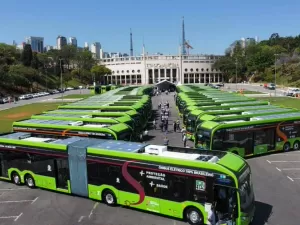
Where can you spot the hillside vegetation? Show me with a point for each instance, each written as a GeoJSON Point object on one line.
{"type": "Point", "coordinates": [28, 71]}
{"type": "Point", "coordinates": [256, 62]}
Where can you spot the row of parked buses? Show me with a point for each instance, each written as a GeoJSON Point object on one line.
{"type": "Point", "coordinates": [119, 114]}
{"type": "Point", "coordinates": [217, 120]}
{"type": "Point", "coordinates": [83, 149]}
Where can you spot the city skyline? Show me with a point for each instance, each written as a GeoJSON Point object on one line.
{"type": "Point", "coordinates": [210, 27]}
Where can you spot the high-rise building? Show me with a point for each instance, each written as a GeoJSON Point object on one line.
{"type": "Point", "coordinates": [61, 41]}
{"type": "Point", "coordinates": [95, 49]}
{"type": "Point", "coordinates": [86, 45]}
{"type": "Point", "coordinates": [73, 41]}
{"type": "Point", "coordinates": [21, 46]}
{"type": "Point", "coordinates": [37, 43]}
{"type": "Point", "coordinates": [48, 48]}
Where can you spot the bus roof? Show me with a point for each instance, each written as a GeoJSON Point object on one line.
{"type": "Point", "coordinates": [154, 153]}
{"type": "Point", "coordinates": [259, 119]}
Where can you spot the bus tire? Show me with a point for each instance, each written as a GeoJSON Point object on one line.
{"type": "Point", "coordinates": [29, 181]}
{"type": "Point", "coordinates": [296, 145]}
{"type": "Point", "coordinates": [286, 147]}
{"type": "Point", "coordinates": [194, 216]}
{"type": "Point", "coordinates": [109, 198]}
{"type": "Point", "coordinates": [15, 178]}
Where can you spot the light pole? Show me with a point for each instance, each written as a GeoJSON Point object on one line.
{"type": "Point", "coordinates": [61, 81]}
{"type": "Point", "coordinates": [275, 73]}
{"type": "Point", "coordinates": [236, 63]}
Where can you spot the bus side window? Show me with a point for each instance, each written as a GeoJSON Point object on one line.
{"type": "Point", "coordinates": [178, 188]}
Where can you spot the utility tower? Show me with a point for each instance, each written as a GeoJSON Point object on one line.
{"type": "Point", "coordinates": [183, 43]}
{"type": "Point", "coordinates": [131, 45]}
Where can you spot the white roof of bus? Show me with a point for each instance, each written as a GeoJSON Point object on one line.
{"type": "Point", "coordinates": [37, 139]}
{"type": "Point", "coordinates": [234, 121]}
{"type": "Point", "coordinates": [96, 125]}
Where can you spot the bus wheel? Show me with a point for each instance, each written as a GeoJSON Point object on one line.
{"type": "Point", "coordinates": [296, 145]}
{"type": "Point", "coordinates": [194, 216]}
{"type": "Point", "coordinates": [16, 179]}
{"type": "Point", "coordinates": [109, 198]}
{"type": "Point", "coordinates": [286, 147]}
{"type": "Point", "coordinates": [29, 181]}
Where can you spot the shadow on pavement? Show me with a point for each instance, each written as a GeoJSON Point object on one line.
{"type": "Point", "coordinates": [263, 211]}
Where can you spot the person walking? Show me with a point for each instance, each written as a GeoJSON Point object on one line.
{"type": "Point", "coordinates": [154, 124]}
{"type": "Point", "coordinates": [178, 124]}
{"type": "Point", "coordinates": [184, 140]}
{"type": "Point", "coordinates": [166, 141]}
{"type": "Point", "coordinates": [211, 216]}
{"type": "Point", "coordinates": [174, 126]}
{"type": "Point", "coordinates": [161, 127]}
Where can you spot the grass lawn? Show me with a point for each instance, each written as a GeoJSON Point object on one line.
{"type": "Point", "coordinates": [283, 101]}
{"type": "Point", "coordinates": [76, 96]}
{"type": "Point", "coordinates": [7, 117]}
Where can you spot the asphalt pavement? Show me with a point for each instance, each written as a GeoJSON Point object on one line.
{"type": "Point", "coordinates": [41, 99]}
{"type": "Point", "coordinates": [254, 87]}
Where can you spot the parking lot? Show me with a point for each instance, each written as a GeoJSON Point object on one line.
{"type": "Point", "coordinates": [277, 186]}
{"type": "Point", "coordinates": [22, 206]}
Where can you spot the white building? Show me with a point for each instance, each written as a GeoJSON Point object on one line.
{"type": "Point", "coordinates": [86, 45]}
{"type": "Point", "coordinates": [73, 41]}
{"type": "Point", "coordinates": [37, 43]}
{"type": "Point", "coordinates": [21, 46]}
{"type": "Point", "coordinates": [60, 42]}
{"type": "Point", "coordinates": [153, 69]}
{"type": "Point", "coordinates": [95, 49]}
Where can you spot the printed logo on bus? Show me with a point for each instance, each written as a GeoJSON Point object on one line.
{"type": "Point", "coordinates": [134, 183]}
{"type": "Point", "coordinates": [280, 133]}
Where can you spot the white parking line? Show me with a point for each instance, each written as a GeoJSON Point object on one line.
{"type": "Point", "coordinates": [283, 161]}
{"type": "Point", "coordinates": [14, 189]}
{"type": "Point", "coordinates": [290, 168]}
{"type": "Point", "coordinates": [268, 161]}
{"type": "Point", "coordinates": [12, 217]}
{"type": "Point", "coordinates": [92, 211]}
{"type": "Point", "coordinates": [278, 169]}
{"type": "Point", "coordinates": [290, 178]}
{"type": "Point", "coordinates": [19, 201]}
{"type": "Point", "coordinates": [80, 219]}
{"type": "Point", "coordinates": [18, 216]}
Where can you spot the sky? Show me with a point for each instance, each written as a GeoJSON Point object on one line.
{"type": "Point", "coordinates": [210, 26]}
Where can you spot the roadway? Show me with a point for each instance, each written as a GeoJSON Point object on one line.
{"type": "Point", "coordinates": [254, 87]}
{"type": "Point", "coordinates": [42, 99]}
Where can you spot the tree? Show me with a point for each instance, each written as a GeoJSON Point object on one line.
{"type": "Point", "coordinates": [35, 61]}
{"type": "Point", "coordinates": [68, 53]}
{"type": "Point", "coordinates": [23, 76]}
{"type": "Point", "coordinates": [99, 72]}
{"type": "Point", "coordinates": [84, 62]}
{"type": "Point", "coordinates": [26, 56]}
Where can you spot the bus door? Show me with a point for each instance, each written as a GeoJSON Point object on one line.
{"type": "Point", "coordinates": [61, 173]}
{"type": "Point", "coordinates": [2, 167]}
{"type": "Point", "coordinates": [225, 204]}
{"type": "Point", "coordinates": [264, 140]}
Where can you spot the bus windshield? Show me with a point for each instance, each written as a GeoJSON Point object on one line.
{"type": "Point", "coordinates": [124, 136]}
{"type": "Point", "coordinates": [190, 123]}
{"type": "Point", "coordinates": [246, 191]}
{"type": "Point", "coordinates": [203, 139]}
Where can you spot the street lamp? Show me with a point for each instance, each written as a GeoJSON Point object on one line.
{"type": "Point", "coordinates": [236, 63]}
{"type": "Point", "coordinates": [61, 80]}
{"type": "Point", "coordinates": [275, 73]}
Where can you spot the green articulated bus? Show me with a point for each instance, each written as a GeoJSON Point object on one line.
{"type": "Point", "coordinates": [119, 131]}
{"type": "Point", "coordinates": [137, 108]}
{"type": "Point", "coordinates": [134, 115]}
{"type": "Point", "coordinates": [225, 106]}
{"type": "Point", "coordinates": [72, 117]}
{"type": "Point", "coordinates": [246, 116]}
{"type": "Point", "coordinates": [262, 134]}
{"type": "Point", "coordinates": [172, 181]}
{"type": "Point", "coordinates": [193, 118]}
